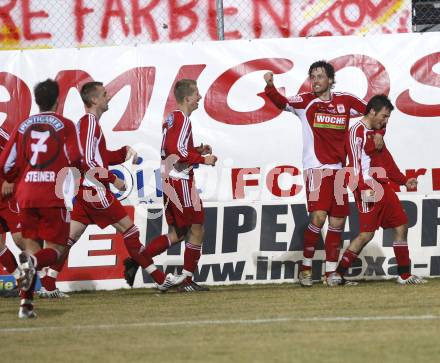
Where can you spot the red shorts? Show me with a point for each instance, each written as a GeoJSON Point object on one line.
{"type": "Point", "coordinates": [386, 213]}
{"type": "Point", "coordinates": [48, 224]}
{"type": "Point", "coordinates": [10, 218]}
{"type": "Point", "coordinates": [183, 206]}
{"type": "Point", "coordinates": [324, 194]}
{"type": "Point", "coordinates": [103, 209]}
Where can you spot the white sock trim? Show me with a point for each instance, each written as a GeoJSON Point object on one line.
{"type": "Point", "coordinates": [307, 262]}
{"type": "Point", "coordinates": [42, 272]}
{"type": "Point", "coordinates": [52, 273]}
{"type": "Point", "coordinates": [26, 302]}
{"type": "Point", "coordinates": [151, 268]}
{"type": "Point", "coordinates": [187, 273]}
{"type": "Point", "coordinates": [330, 266]}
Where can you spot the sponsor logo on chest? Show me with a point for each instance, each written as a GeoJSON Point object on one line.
{"type": "Point", "coordinates": [329, 121]}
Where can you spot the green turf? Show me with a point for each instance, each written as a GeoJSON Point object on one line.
{"type": "Point", "coordinates": [260, 323]}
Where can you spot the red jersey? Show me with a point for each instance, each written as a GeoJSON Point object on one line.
{"type": "Point", "coordinates": [324, 124]}
{"type": "Point", "coordinates": [96, 156]}
{"type": "Point", "coordinates": [37, 150]}
{"type": "Point", "coordinates": [363, 157]}
{"type": "Point", "coordinates": [4, 138]}
{"type": "Point", "coordinates": [177, 140]}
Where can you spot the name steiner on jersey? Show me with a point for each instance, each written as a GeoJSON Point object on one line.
{"type": "Point", "coordinates": [40, 177]}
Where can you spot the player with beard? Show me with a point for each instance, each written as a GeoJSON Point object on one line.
{"type": "Point", "coordinates": [324, 116]}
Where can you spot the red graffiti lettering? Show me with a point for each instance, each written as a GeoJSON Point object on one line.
{"type": "Point", "coordinates": [176, 13]}
{"type": "Point", "coordinates": [281, 20]}
{"type": "Point", "coordinates": [5, 16]}
{"type": "Point", "coordinates": [109, 13]}
{"type": "Point", "coordinates": [144, 13]}
{"type": "Point", "coordinates": [344, 16]}
{"type": "Point", "coordinates": [28, 15]}
{"type": "Point", "coordinates": [80, 11]}
{"type": "Point", "coordinates": [212, 21]}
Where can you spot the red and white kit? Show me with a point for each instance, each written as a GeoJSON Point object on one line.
{"type": "Point", "coordinates": [183, 206]}
{"type": "Point", "coordinates": [9, 217]}
{"type": "Point", "coordinates": [324, 125]}
{"type": "Point", "coordinates": [95, 203]}
{"type": "Point", "coordinates": [372, 168]}
{"type": "Point", "coordinates": [39, 148]}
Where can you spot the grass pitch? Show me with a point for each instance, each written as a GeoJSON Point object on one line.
{"type": "Point", "coordinates": [372, 322]}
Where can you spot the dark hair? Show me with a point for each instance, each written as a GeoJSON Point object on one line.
{"type": "Point", "coordinates": [378, 102]}
{"type": "Point", "coordinates": [329, 70]}
{"type": "Point", "coordinates": [88, 90]}
{"type": "Point", "coordinates": [183, 88]}
{"type": "Point", "coordinates": [46, 94]}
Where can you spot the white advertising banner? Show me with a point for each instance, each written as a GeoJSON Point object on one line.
{"type": "Point", "coordinates": [253, 224]}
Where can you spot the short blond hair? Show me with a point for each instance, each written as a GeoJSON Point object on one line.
{"type": "Point", "coordinates": [183, 88]}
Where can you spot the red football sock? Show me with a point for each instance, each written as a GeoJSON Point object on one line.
{"type": "Point", "coordinates": [191, 258]}
{"type": "Point", "coordinates": [402, 257]}
{"type": "Point", "coordinates": [134, 247]}
{"type": "Point", "coordinates": [7, 259]}
{"type": "Point", "coordinates": [157, 275]}
{"type": "Point", "coordinates": [311, 238]}
{"type": "Point", "coordinates": [51, 274]}
{"type": "Point", "coordinates": [158, 245]}
{"type": "Point", "coordinates": [332, 248]}
{"type": "Point", "coordinates": [347, 259]}
{"type": "Point", "coordinates": [48, 281]}
{"type": "Point", "coordinates": [45, 257]}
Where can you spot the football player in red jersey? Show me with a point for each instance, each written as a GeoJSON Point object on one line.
{"type": "Point", "coordinates": [95, 203]}
{"type": "Point", "coordinates": [39, 148]}
{"type": "Point", "coordinates": [324, 116]}
{"type": "Point", "coordinates": [9, 221]}
{"type": "Point", "coordinates": [183, 207]}
{"type": "Point", "coordinates": [377, 202]}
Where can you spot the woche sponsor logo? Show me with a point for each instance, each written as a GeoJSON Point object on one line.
{"type": "Point", "coordinates": [327, 121]}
